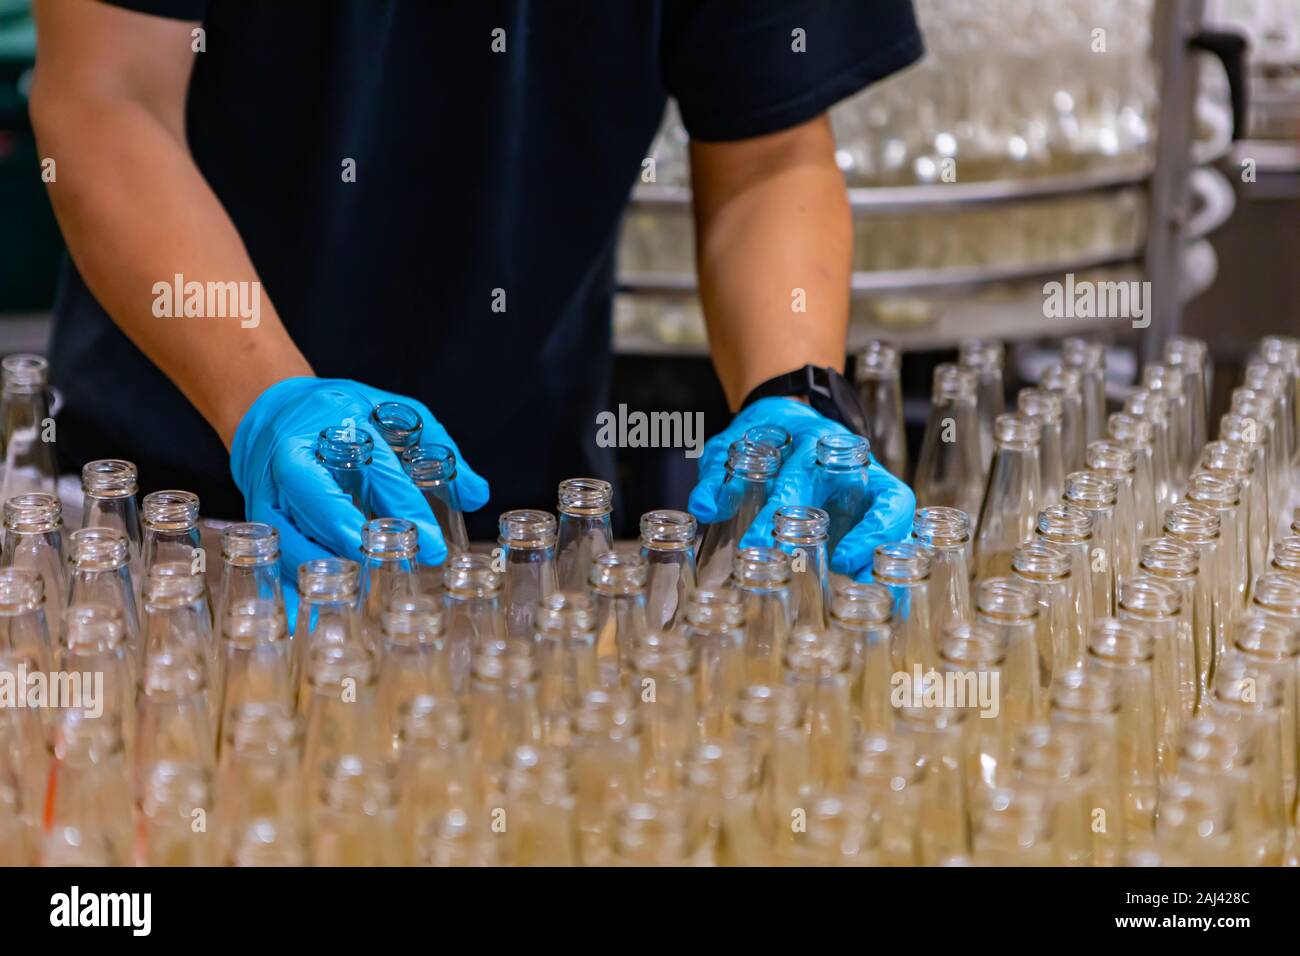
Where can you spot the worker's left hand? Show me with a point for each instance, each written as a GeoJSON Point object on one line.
{"type": "Point", "coordinates": [892, 507]}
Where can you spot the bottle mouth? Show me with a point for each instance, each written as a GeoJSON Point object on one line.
{"type": "Point", "coordinates": [618, 573]}
{"type": "Point", "coordinates": [586, 497]}
{"type": "Point", "coordinates": [666, 530]}
{"type": "Point", "coordinates": [414, 620]}
{"type": "Point", "coordinates": [526, 529]}
{"type": "Point", "coordinates": [1192, 522]}
{"type": "Point", "coordinates": [24, 374]}
{"type": "Point", "coordinates": [33, 513]}
{"type": "Point", "coordinates": [1183, 350]}
{"type": "Point", "coordinates": [1149, 599]}
{"type": "Point", "coordinates": [1242, 686]}
{"type": "Point", "coordinates": [1041, 562]}
{"type": "Point", "coordinates": [1169, 557]}
{"type": "Point", "coordinates": [1149, 404]}
{"type": "Point", "coordinates": [173, 584]}
{"type": "Point", "coordinates": [1110, 456]}
{"type": "Point", "coordinates": [1232, 457]}
{"type": "Point", "coordinates": [344, 447]}
{"type": "Point", "coordinates": [1214, 745]}
{"type": "Point", "coordinates": [427, 464]}
{"type": "Point", "coordinates": [753, 462]}
{"type": "Point", "coordinates": [1065, 524]}
{"type": "Point", "coordinates": [1016, 431]}
{"type": "Point", "coordinates": [170, 511]}
{"type": "Point", "coordinates": [1089, 489]}
{"type": "Point", "coordinates": [953, 383]}
{"type": "Point", "coordinates": [814, 653]}
{"type": "Point", "coordinates": [566, 615]}
{"type": "Point", "coordinates": [940, 527]}
{"type": "Point", "coordinates": [1062, 380]}
{"type": "Point", "coordinates": [877, 361]}
{"type": "Point", "coordinates": [800, 525]}
{"type": "Point", "coordinates": [761, 569]}
{"type": "Point", "coordinates": [1278, 593]}
{"type": "Point", "coordinates": [250, 542]}
{"type": "Point", "coordinates": [1261, 376]}
{"type": "Point", "coordinates": [861, 604]}
{"type": "Point", "coordinates": [470, 575]}
{"type": "Point", "coordinates": [98, 549]}
{"type": "Point", "coordinates": [1044, 406]}
{"type": "Point", "coordinates": [389, 538]}
{"type": "Point", "coordinates": [1085, 355]}
{"type": "Point", "coordinates": [1286, 555]}
{"type": "Point", "coordinates": [398, 424]}
{"type": "Point", "coordinates": [1165, 378]}
{"type": "Point", "coordinates": [771, 436]}
{"type": "Point", "coordinates": [1133, 431]}
{"type": "Point", "coordinates": [901, 563]}
{"type": "Point", "coordinates": [110, 478]}
{"type": "Point", "coordinates": [22, 591]}
{"type": "Point", "coordinates": [1266, 639]}
{"type": "Point", "coordinates": [971, 647]}
{"type": "Point", "coordinates": [1119, 643]}
{"type": "Point", "coordinates": [1248, 401]}
{"type": "Point", "coordinates": [843, 452]}
{"type": "Point", "coordinates": [1005, 600]}
{"type": "Point", "coordinates": [329, 580]}
{"type": "Point", "coordinates": [1078, 692]}
{"type": "Point", "coordinates": [1217, 491]}
{"type": "Point", "coordinates": [710, 608]}
{"type": "Point", "coordinates": [983, 356]}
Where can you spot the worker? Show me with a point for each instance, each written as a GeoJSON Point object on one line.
{"type": "Point", "coordinates": [417, 202]}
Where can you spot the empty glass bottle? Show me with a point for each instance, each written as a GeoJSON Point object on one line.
{"type": "Point", "coordinates": [584, 532]}
{"type": "Point", "coordinates": [88, 804]}
{"type": "Point", "coordinates": [1197, 825]}
{"type": "Point", "coordinates": [256, 659]}
{"type": "Point", "coordinates": [539, 807]}
{"type": "Point", "coordinates": [881, 395]}
{"type": "Point", "coordinates": [945, 533]}
{"type": "Point", "coordinates": [1246, 432]}
{"type": "Point", "coordinates": [1169, 381]}
{"type": "Point", "coordinates": [22, 616]}
{"type": "Point", "coordinates": [34, 540]}
{"type": "Point", "coordinates": [984, 358]}
{"type": "Point", "coordinates": [433, 469]}
{"type": "Point", "coordinates": [937, 735]}
{"type": "Point", "coordinates": [1013, 497]}
{"type": "Point", "coordinates": [1273, 645]}
{"type": "Point", "coordinates": [949, 469]}
{"type": "Point", "coordinates": [346, 452]}
{"type": "Point", "coordinates": [567, 665]}
{"type": "Point", "coordinates": [1214, 750]}
{"type": "Point", "coordinates": [24, 753]}
{"type": "Point", "coordinates": [618, 594]}
{"type": "Point", "coordinates": [413, 662]}
{"type": "Point", "coordinates": [905, 569]}
{"type": "Point", "coordinates": [861, 615]}
{"type": "Point", "coordinates": [1009, 610]}
{"type": "Point", "coordinates": [606, 767]}
{"type": "Point", "coordinates": [1046, 570]}
{"type": "Point", "coordinates": [751, 471]}
{"type": "Point", "coordinates": [817, 665]}
{"type": "Point", "coordinates": [668, 544]}
{"type": "Point", "coordinates": [1192, 356]}
{"type": "Point", "coordinates": [1052, 761]}
{"type": "Point", "coordinates": [1258, 414]}
{"type": "Point", "coordinates": [662, 683]}
{"type": "Point", "coordinates": [504, 709]}
{"type": "Point", "coordinates": [354, 813]}
{"type": "Point", "coordinates": [1230, 459]}
{"type": "Point", "coordinates": [762, 576]}
{"type": "Point", "coordinates": [527, 559]}
{"type": "Point", "coordinates": [94, 643]}
{"type": "Point", "coordinates": [173, 717]}
{"type": "Point", "coordinates": [1153, 407]}
{"type": "Point", "coordinates": [1067, 384]}
{"type": "Point", "coordinates": [259, 795]}
{"type": "Point", "coordinates": [98, 571]}
{"type": "Point", "coordinates": [1098, 496]}
{"type": "Point", "coordinates": [886, 774]}
{"type": "Point", "coordinates": [1176, 563]}
{"type": "Point", "coordinates": [1286, 557]}
{"type": "Point", "coordinates": [1069, 529]}
{"type": "Point", "coordinates": [170, 520]}
{"type": "Point", "coordinates": [1270, 380]}
{"type": "Point", "coordinates": [174, 798]}
{"type": "Point", "coordinates": [250, 567]}
{"type": "Point", "coordinates": [1046, 408]}
{"type": "Point", "coordinates": [1135, 434]}
{"type": "Point", "coordinates": [1090, 359]}
{"type": "Point", "coordinates": [841, 483]}
{"type": "Point", "coordinates": [388, 571]}
{"type": "Point", "coordinates": [1155, 607]}
{"type": "Point", "coordinates": [433, 770]}
{"type": "Point", "coordinates": [328, 610]}
{"type": "Point", "coordinates": [1222, 494]}
{"type": "Point", "coordinates": [1115, 461]}
{"type": "Point", "coordinates": [771, 436]}
{"type": "Point", "coordinates": [802, 533]}
{"type": "Point", "coordinates": [341, 706]}
{"type": "Point", "coordinates": [28, 429]}
{"type": "Point", "coordinates": [1014, 829]}
{"type": "Point", "coordinates": [472, 606]}
{"type": "Point", "coordinates": [398, 425]}
{"type": "Point", "coordinates": [972, 659]}
{"type": "Point", "coordinates": [1197, 526]}
{"type": "Point", "coordinates": [715, 630]}
{"type": "Point", "coordinates": [176, 615]}
{"type": "Point", "coordinates": [17, 835]}
{"type": "Point", "coordinates": [110, 487]}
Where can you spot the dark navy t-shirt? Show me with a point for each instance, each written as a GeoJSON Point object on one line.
{"type": "Point", "coordinates": [475, 171]}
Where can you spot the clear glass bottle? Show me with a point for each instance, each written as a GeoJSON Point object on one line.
{"type": "Point", "coordinates": [1222, 494]}
{"type": "Point", "coordinates": [1125, 654]}
{"type": "Point", "coordinates": [715, 631]}
{"type": "Point", "coordinates": [28, 435]}
{"type": "Point", "coordinates": [472, 607]}
{"type": "Point", "coordinates": [1272, 644]}
{"type": "Point", "coordinates": [98, 571]}
{"type": "Point", "coordinates": [1135, 434]}
{"type": "Point", "coordinates": [1086, 703]}
{"type": "Point", "coordinates": [949, 469]}
{"type": "Point", "coordinates": [881, 394]}
{"type": "Point", "coordinates": [398, 425]}
{"type": "Point", "coordinates": [1069, 529]}
{"type": "Point", "coordinates": [433, 469]}
{"type": "Point", "coordinates": [618, 595]}
{"type": "Point", "coordinates": [1231, 459]}
{"type": "Point", "coordinates": [34, 540]}
{"type": "Point", "coordinates": [1169, 381]}
{"type": "Point", "coordinates": [1214, 750]}
{"type": "Point", "coordinates": [170, 520]}
{"type": "Point", "coordinates": [172, 798]}
{"type": "Point", "coordinates": [937, 734]}
{"type": "Point", "coordinates": [668, 544]}
{"type": "Point", "coordinates": [110, 487]}
{"type": "Point", "coordinates": [527, 559]}
{"type": "Point", "coordinates": [354, 813]}
{"type": "Point", "coordinates": [1014, 829]}
{"type": "Point", "coordinates": [803, 533]}
{"type": "Point", "coordinates": [1153, 407]}
{"type": "Point", "coordinates": [1192, 356]}
{"type": "Point", "coordinates": [1286, 557]}
{"type": "Point", "coordinates": [841, 483]}
{"type": "Point", "coordinates": [886, 775]}
{"type": "Point", "coordinates": [1177, 563]}
{"type": "Point", "coordinates": [173, 717]}
{"type": "Point", "coordinates": [22, 616]}
{"type": "Point", "coordinates": [585, 505]}
{"type": "Point", "coordinates": [945, 533]}
{"type": "Point", "coordinates": [1277, 596]}
{"type": "Point", "coordinates": [539, 807]}
{"type": "Point", "coordinates": [905, 569]}
{"type": "Point", "coordinates": [1197, 825]}
{"type": "Point", "coordinates": [567, 665]}
{"type": "Point", "coordinates": [1197, 526]}
{"type": "Point", "coordinates": [1052, 761]}
{"type": "Point", "coordinates": [1067, 384]}
{"type": "Point", "coordinates": [1272, 381]}
{"type": "Point", "coordinates": [340, 708]}
{"type": "Point", "coordinates": [328, 610]}
{"type": "Point", "coordinates": [413, 662]}
{"type": "Point", "coordinates": [1098, 496]}
{"type": "Point", "coordinates": [763, 578]}
{"type": "Point", "coordinates": [259, 795]}
{"type": "Point", "coordinates": [1046, 570]}
{"type": "Point", "coordinates": [1113, 460]}
{"type": "Point", "coordinates": [662, 683]}
{"type": "Point", "coordinates": [862, 616]}
{"type": "Point", "coordinates": [250, 567]}
{"type": "Point", "coordinates": [606, 767]}
{"type": "Point", "coordinates": [652, 833]}
{"type": "Point", "coordinates": [433, 770]}
{"type": "Point", "coordinates": [817, 665]}
{"type": "Point", "coordinates": [1246, 431]}
{"type": "Point", "coordinates": [771, 436]}
{"type": "Point", "coordinates": [1259, 414]}
{"type": "Point", "coordinates": [751, 473]}
{"type": "Point", "coordinates": [1012, 498]}
{"type": "Point", "coordinates": [1155, 607]}
{"type": "Point", "coordinates": [346, 452]}
{"type": "Point", "coordinates": [17, 834]}
{"type": "Point", "coordinates": [984, 358]}
{"type": "Point", "coordinates": [388, 571]}
{"type": "Point", "coordinates": [256, 659]}
{"type": "Point", "coordinates": [504, 708]}
{"type": "Point", "coordinates": [94, 643]}
{"type": "Point", "coordinates": [1283, 353]}
{"type": "Point", "coordinates": [972, 659]}
{"type": "Point", "coordinates": [1046, 408]}
{"type": "Point", "coordinates": [1090, 359]}
{"type": "Point", "coordinates": [24, 752]}
{"type": "Point", "coordinates": [1009, 609]}
{"type": "Point", "coordinates": [88, 818]}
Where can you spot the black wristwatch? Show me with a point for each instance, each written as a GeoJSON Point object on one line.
{"type": "Point", "coordinates": [827, 391]}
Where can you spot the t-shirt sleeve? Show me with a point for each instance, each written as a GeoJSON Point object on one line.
{"type": "Point", "coordinates": [742, 68]}
{"type": "Point", "coordinates": [171, 9]}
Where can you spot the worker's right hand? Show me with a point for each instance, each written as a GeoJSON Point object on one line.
{"type": "Point", "coordinates": [273, 461]}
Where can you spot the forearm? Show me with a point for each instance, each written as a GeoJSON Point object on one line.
{"type": "Point", "coordinates": [774, 247]}
{"type": "Point", "coordinates": [135, 211]}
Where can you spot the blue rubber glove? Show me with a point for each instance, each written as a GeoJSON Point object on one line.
{"type": "Point", "coordinates": [893, 503]}
{"type": "Point", "coordinates": [273, 461]}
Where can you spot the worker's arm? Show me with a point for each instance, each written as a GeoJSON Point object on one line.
{"type": "Point", "coordinates": [108, 106]}
{"type": "Point", "coordinates": [774, 243]}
